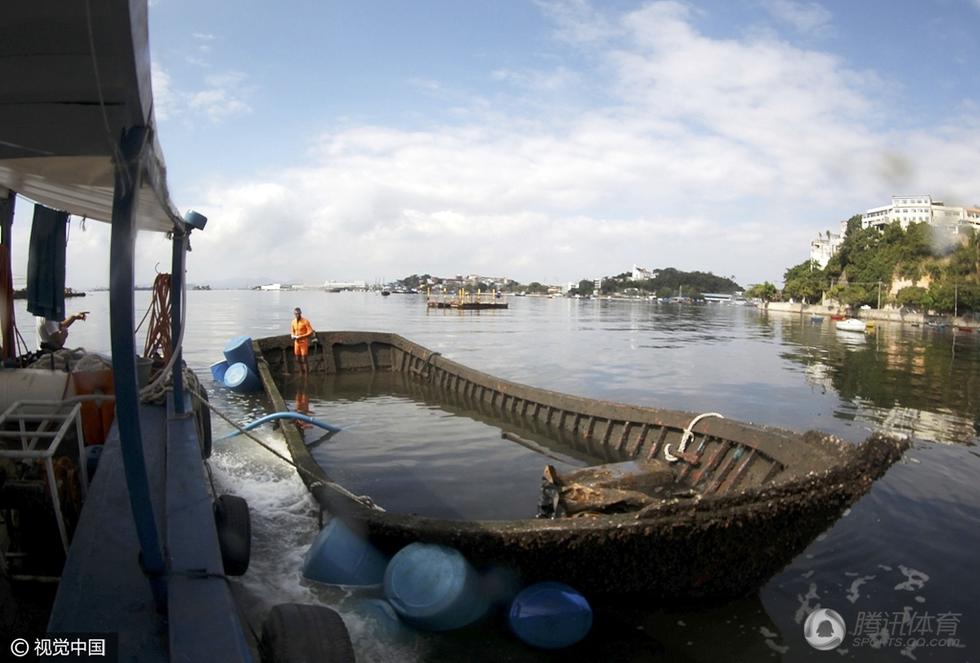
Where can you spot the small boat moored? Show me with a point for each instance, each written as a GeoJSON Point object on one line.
{"type": "Point", "coordinates": [852, 325]}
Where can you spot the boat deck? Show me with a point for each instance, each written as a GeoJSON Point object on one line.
{"type": "Point", "coordinates": [103, 589]}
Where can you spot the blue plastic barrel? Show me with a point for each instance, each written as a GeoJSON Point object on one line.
{"type": "Point", "coordinates": [550, 615]}
{"type": "Point", "coordinates": [239, 349]}
{"type": "Point", "coordinates": [434, 588]}
{"type": "Point", "coordinates": [241, 378]}
{"type": "Point", "coordinates": [218, 369]}
{"type": "Point", "coordinates": [340, 556]}
{"type": "Point", "coordinates": [92, 455]}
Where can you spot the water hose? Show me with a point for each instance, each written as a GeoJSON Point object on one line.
{"type": "Point", "coordinates": [284, 415]}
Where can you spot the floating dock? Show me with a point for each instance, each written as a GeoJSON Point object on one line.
{"type": "Point", "coordinates": [465, 301]}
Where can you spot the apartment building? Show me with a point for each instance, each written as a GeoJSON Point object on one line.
{"type": "Point", "coordinates": [919, 209]}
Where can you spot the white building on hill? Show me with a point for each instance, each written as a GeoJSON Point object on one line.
{"type": "Point", "coordinates": [826, 244]}
{"type": "Point", "coordinates": [905, 210]}
{"type": "Point", "coordinates": [919, 209]}
{"type": "Point", "coordinates": [641, 274]}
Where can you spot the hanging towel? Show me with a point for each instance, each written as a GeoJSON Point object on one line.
{"type": "Point", "coordinates": [46, 264]}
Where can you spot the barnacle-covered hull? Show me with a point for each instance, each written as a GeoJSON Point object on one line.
{"type": "Point", "coordinates": [756, 496]}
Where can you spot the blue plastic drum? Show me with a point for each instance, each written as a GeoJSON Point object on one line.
{"type": "Point", "coordinates": [434, 588]}
{"type": "Point", "coordinates": [239, 349]}
{"type": "Point", "coordinates": [218, 369]}
{"type": "Point", "coordinates": [340, 556]}
{"type": "Point", "coordinates": [241, 378]}
{"type": "Point", "coordinates": [550, 615]}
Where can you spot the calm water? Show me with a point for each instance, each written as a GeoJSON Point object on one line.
{"type": "Point", "coordinates": [904, 554]}
{"type": "Point", "coordinates": [414, 453]}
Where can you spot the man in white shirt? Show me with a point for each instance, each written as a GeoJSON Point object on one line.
{"type": "Point", "coordinates": [51, 334]}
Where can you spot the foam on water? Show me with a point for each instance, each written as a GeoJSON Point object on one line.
{"type": "Point", "coordinates": [284, 523]}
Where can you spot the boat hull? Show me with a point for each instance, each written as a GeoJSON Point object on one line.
{"type": "Point", "coordinates": [755, 509]}
{"type": "Point", "coordinates": [851, 325]}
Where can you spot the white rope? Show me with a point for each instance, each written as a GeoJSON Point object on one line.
{"type": "Point", "coordinates": [687, 436]}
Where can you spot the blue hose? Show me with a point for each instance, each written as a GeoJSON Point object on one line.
{"type": "Point", "coordinates": [285, 415]}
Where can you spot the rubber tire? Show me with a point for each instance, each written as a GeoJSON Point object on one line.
{"type": "Point", "coordinates": [295, 633]}
{"type": "Point", "coordinates": [203, 415]}
{"type": "Point", "coordinates": [234, 527]}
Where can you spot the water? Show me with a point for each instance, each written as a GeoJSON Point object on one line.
{"type": "Point", "coordinates": [414, 456]}
{"type": "Point", "coordinates": [906, 549]}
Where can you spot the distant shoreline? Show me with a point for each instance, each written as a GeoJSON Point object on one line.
{"type": "Point", "coordinates": [878, 315]}
{"type": "Point", "coordinates": [22, 294]}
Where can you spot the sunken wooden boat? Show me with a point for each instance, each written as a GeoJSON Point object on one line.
{"type": "Point", "coordinates": [745, 499]}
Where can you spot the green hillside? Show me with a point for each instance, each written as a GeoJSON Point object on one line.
{"type": "Point", "coordinates": [946, 270]}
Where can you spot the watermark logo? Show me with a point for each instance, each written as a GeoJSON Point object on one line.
{"type": "Point", "coordinates": [824, 629]}
{"type": "Point", "coordinates": [74, 646]}
{"type": "Point", "coordinates": [20, 647]}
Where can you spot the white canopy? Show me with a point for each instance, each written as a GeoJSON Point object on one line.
{"type": "Point", "coordinates": [75, 75]}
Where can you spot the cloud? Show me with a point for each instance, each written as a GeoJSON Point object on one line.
{"type": "Point", "coordinates": [222, 96]}
{"type": "Point", "coordinates": [425, 84]}
{"type": "Point", "coordinates": [577, 21]}
{"type": "Point", "coordinates": [806, 17]}
{"type": "Point", "coordinates": [540, 82]}
{"type": "Point", "coordinates": [705, 153]}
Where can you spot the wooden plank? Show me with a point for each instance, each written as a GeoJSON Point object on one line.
{"type": "Point", "coordinates": [712, 463]}
{"type": "Point", "coordinates": [722, 473]}
{"type": "Point", "coordinates": [655, 449]}
{"type": "Point", "coordinates": [739, 473]}
{"type": "Point", "coordinates": [623, 435]}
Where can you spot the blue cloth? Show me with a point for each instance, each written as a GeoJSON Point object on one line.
{"type": "Point", "coordinates": [46, 264]}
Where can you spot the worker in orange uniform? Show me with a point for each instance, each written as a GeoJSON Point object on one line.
{"type": "Point", "coordinates": [302, 333]}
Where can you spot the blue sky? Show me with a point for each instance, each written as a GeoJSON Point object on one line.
{"type": "Point", "coordinates": [552, 140]}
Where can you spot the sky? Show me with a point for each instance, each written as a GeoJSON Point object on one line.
{"type": "Point", "coordinates": [549, 140]}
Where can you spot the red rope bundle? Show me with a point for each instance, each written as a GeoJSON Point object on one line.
{"type": "Point", "coordinates": [158, 341]}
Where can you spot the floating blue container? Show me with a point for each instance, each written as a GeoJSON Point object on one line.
{"type": "Point", "coordinates": [218, 369]}
{"type": "Point", "coordinates": [241, 378]}
{"type": "Point", "coordinates": [550, 615]}
{"type": "Point", "coordinates": [434, 588]}
{"type": "Point", "coordinates": [239, 349]}
{"type": "Point", "coordinates": [340, 556]}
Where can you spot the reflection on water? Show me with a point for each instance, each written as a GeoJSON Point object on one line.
{"type": "Point", "coordinates": [906, 548]}
{"type": "Point", "coordinates": [900, 380]}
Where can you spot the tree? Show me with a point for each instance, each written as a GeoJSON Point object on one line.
{"type": "Point", "coordinates": [914, 297]}
{"type": "Point", "coordinates": [765, 291]}
{"type": "Point", "coordinates": [805, 282]}
{"type": "Point", "coordinates": [415, 281]}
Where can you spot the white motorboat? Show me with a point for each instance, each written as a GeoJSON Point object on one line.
{"type": "Point", "coordinates": [851, 324]}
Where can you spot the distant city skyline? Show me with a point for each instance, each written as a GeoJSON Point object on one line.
{"type": "Point", "coordinates": [550, 140]}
